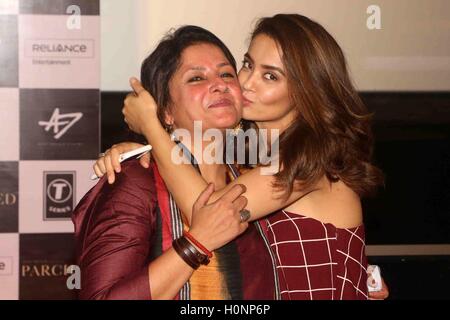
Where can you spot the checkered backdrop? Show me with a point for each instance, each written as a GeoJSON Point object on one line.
{"type": "Point", "coordinates": [49, 134]}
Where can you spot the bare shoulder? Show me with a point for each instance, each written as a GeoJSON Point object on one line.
{"type": "Point", "coordinates": [333, 203]}
{"type": "Point", "coordinates": [347, 211]}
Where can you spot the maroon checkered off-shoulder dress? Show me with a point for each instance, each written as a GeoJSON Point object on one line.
{"type": "Point", "coordinates": [316, 260]}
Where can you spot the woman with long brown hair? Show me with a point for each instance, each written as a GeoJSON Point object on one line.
{"type": "Point", "coordinates": [294, 79]}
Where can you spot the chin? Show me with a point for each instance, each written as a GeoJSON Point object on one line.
{"type": "Point", "coordinates": [228, 123]}
{"type": "Point", "coordinates": [251, 116]}
{"type": "Point", "coordinates": [225, 120]}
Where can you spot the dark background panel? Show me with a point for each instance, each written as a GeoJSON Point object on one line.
{"type": "Point", "coordinates": [9, 196]}
{"type": "Point", "coordinates": [415, 277]}
{"type": "Point", "coordinates": [412, 132]}
{"type": "Point", "coordinates": [113, 128]}
{"type": "Point", "coordinates": [414, 206]}
{"type": "Point", "coordinates": [9, 62]}
{"type": "Point", "coordinates": [39, 141]}
{"type": "Point", "coordinates": [58, 7]}
{"type": "Point", "coordinates": [43, 261]}
{"type": "Point", "coordinates": [408, 108]}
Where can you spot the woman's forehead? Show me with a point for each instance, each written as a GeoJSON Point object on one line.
{"type": "Point", "coordinates": [200, 55]}
{"type": "Point", "coordinates": [266, 50]}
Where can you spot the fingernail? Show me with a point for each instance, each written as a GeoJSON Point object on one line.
{"type": "Point", "coordinates": [117, 169]}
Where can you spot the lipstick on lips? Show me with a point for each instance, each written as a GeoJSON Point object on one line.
{"type": "Point", "coordinates": [221, 103]}
{"type": "Point", "coordinates": [246, 101]}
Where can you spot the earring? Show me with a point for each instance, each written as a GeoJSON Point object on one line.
{"type": "Point", "coordinates": [236, 129]}
{"type": "Point", "coordinates": [170, 131]}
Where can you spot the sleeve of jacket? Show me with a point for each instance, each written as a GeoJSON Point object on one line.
{"type": "Point", "coordinates": [114, 228]}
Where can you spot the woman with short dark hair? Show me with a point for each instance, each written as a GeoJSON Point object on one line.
{"type": "Point", "coordinates": [131, 240]}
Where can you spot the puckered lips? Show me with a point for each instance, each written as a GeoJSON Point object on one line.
{"type": "Point", "coordinates": [246, 101]}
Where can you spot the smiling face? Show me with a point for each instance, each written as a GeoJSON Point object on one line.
{"type": "Point", "coordinates": [204, 88]}
{"type": "Point", "coordinates": [264, 85]}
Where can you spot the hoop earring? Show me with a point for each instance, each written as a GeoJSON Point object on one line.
{"type": "Point", "coordinates": [237, 128]}
{"type": "Point", "coordinates": [169, 129]}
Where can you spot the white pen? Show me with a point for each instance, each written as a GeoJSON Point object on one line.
{"type": "Point", "coordinates": [127, 155]}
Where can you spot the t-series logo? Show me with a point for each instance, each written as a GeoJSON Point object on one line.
{"type": "Point", "coordinates": [59, 195]}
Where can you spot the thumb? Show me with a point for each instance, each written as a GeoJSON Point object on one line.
{"type": "Point", "coordinates": [136, 85]}
{"type": "Point", "coordinates": [203, 198]}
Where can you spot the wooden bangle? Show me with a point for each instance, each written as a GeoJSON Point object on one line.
{"type": "Point", "coordinates": [185, 253]}
{"type": "Point", "coordinates": [197, 255]}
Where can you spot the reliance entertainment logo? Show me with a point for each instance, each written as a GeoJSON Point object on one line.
{"type": "Point", "coordinates": [59, 48]}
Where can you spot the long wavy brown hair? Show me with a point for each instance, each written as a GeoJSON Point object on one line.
{"type": "Point", "coordinates": [332, 134]}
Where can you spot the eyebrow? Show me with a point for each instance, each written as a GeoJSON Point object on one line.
{"type": "Point", "coordinates": [265, 66]}
{"type": "Point", "coordinates": [220, 65]}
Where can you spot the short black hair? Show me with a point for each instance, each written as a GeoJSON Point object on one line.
{"type": "Point", "coordinates": [159, 67]}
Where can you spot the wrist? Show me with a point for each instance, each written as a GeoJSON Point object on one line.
{"type": "Point", "coordinates": [150, 128]}
{"type": "Point", "coordinates": [191, 256]}
{"type": "Point", "coordinates": [201, 241]}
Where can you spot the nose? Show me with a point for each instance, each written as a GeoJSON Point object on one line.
{"type": "Point", "coordinates": [247, 81]}
{"type": "Point", "coordinates": [219, 85]}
